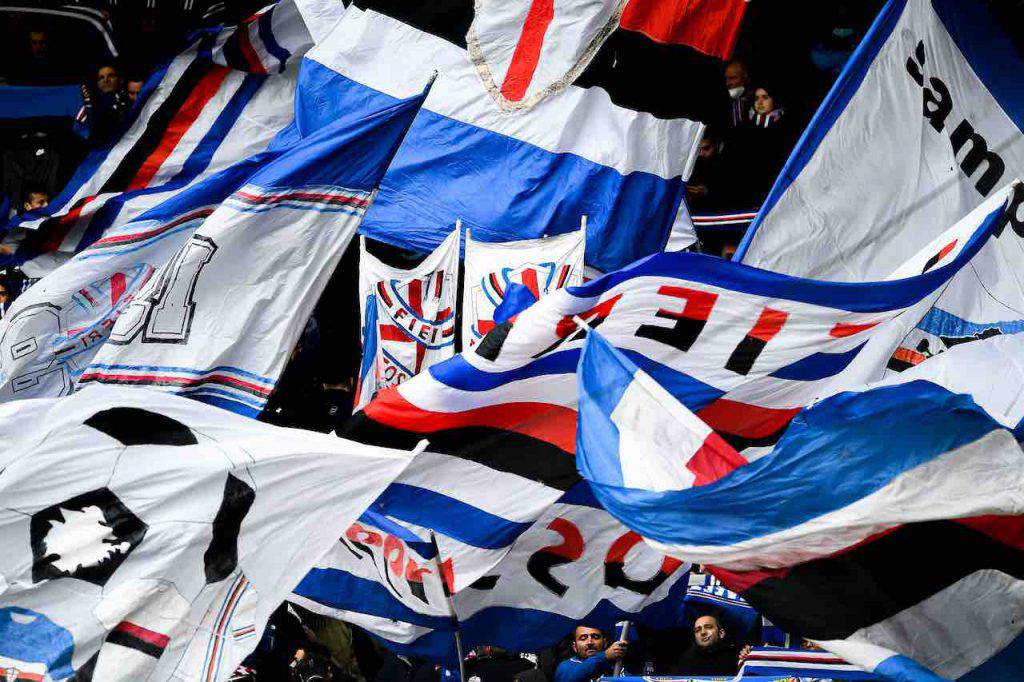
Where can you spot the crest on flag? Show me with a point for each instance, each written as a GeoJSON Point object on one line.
{"type": "Point", "coordinates": [541, 265]}
{"type": "Point", "coordinates": [414, 317]}
{"type": "Point", "coordinates": [525, 50]}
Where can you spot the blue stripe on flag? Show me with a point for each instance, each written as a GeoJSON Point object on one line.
{"type": "Point", "coordinates": [817, 366]}
{"type": "Point", "coordinates": [458, 520]}
{"type": "Point", "coordinates": [266, 33]}
{"type": "Point", "coordinates": [881, 433]}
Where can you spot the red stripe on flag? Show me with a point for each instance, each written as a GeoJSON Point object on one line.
{"type": "Point", "coordinates": [530, 281]}
{"type": "Point", "coordinates": [552, 424]}
{"type": "Point", "coordinates": [710, 26]}
{"type": "Point", "coordinates": [768, 324]}
{"type": "Point", "coordinates": [415, 296]}
{"type": "Point", "coordinates": [843, 330]}
{"type": "Point", "coordinates": [64, 225]}
{"type": "Point", "coordinates": [117, 287]}
{"type": "Point", "coordinates": [390, 332]}
{"type": "Point", "coordinates": [713, 460]}
{"type": "Point", "coordinates": [148, 636]}
{"type": "Point", "coordinates": [527, 54]}
{"type": "Point", "coordinates": [1008, 530]}
{"type": "Point", "coordinates": [179, 125]}
{"type": "Point", "coordinates": [743, 419]}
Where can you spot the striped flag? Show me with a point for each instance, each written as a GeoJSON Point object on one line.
{"type": "Point", "coordinates": [195, 117]}
{"type": "Point", "coordinates": [892, 510]}
{"type": "Point", "coordinates": [768, 661]}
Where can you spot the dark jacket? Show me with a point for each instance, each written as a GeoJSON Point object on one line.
{"type": "Point", "coordinates": [721, 659]}
{"type": "Point", "coordinates": [580, 670]}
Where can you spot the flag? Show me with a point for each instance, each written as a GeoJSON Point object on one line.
{"type": "Point", "coordinates": [574, 564]}
{"type": "Point", "coordinates": [151, 537]}
{"type": "Point", "coordinates": [412, 324]}
{"type": "Point", "coordinates": [268, 40]}
{"type": "Point", "coordinates": [541, 265]}
{"type": "Point", "coordinates": [746, 348]}
{"type": "Point", "coordinates": [511, 176]}
{"type": "Point", "coordinates": [528, 50]}
{"type": "Point", "coordinates": [218, 321]}
{"type": "Point", "coordinates": [51, 332]}
{"type": "Point", "coordinates": [941, 160]}
{"type": "Point", "coordinates": [765, 661]}
{"type": "Point", "coordinates": [891, 510]}
{"type": "Point", "coordinates": [194, 117]}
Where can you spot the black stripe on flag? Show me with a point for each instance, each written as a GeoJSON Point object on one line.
{"type": "Point", "coordinates": [130, 641]}
{"type": "Point", "coordinates": [504, 451]}
{"type": "Point", "coordinates": [156, 127]}
{"type": "Point", "coordinates": [832, 598]}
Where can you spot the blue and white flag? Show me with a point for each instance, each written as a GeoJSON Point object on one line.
{"type": "Point", "coordinates": [574, 564]}
{"type": "Point", "coordinates": [763, 661]}
{"type": "Point", "coordinates": [529, 173]}
{"type": "Point", "coordinates": [915, 528]}
{"type": "Point", "coordinates": [828, 217]}
{"type": "Point", "coordinates": [194, 118]}
{"type": "Point", "coordinates": [218, 321]}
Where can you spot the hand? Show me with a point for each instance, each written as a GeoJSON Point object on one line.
{"type": "Point", "coordinates": [616, 651]}
{"type": "Point", "coordinates": [696, 190]}
{"type": "Point", "coordinates": [744, 652]}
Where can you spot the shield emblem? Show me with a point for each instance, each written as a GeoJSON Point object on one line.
{"type": "Point", "coordinates": [525, 50]}
{"type": "Point", "coordinates": [488, 293]}
{"type": "Point", "coordinates": [412, 321]}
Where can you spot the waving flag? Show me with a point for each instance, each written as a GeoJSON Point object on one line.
{"type": "Point", "coordinates": [408, 316]}
{"type": "Point", "coordinates": [218, 321]}
{"type": "Point", "coordinates": [541, 265]}
{"type": "Point", "coordinates": [143, 531]}
{"type": "Point", "coordinates": [918, 464]}
{"type": "Point", "coordinates": [765, 661]}
{"type": "Point", "coordinates": [748, 349]}
{"type": "Point", "coordinates": [526, 50]}
{"type": "Point", "coordinates": [195, 117]}
{"type": "Point", "coordinates": [574, 564]}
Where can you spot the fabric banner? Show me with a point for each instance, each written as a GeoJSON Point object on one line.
{"type": "Point", "coordinates": [574, 564]}
{"type": "Point", "coordinates": [218, 321]}
{"type": "Point", "coordinates": [941, 160]}
{"type": "Point", "coordinates": [542, 265]}
{"type": "Point", "coordinates": [143, 532]}
{"type": "Point", "coordinates": [926, 479]}
{"type": "Point", "coordinates": [412, 325]}
{"type": "Point", "coordinates": [529, 173]}
{"type": "Point", "coordinates": [194, 118]}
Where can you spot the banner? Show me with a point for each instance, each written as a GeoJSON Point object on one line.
{"type": "Point", "coordinates": [150, 537]}
{"type": "Point", "coordinates": [219, 320]}
{"type": "Point", "coordinates": [193, 119]}
{"type": "Point", "coordinates": [574, 564]}
{"type": "Point", "coordinates": [542, 265]}
{"type": "Point", "coordinates": [412, 325]}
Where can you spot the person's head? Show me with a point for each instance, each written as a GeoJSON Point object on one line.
{"type": "Point", "coordinates": [587, 641]}
{"type": "Point", "coordinates": [709, 145]}
{"type": "Point", "coordinates": [737, 78]}
{"type": "Point", "coordinates": [764, 102]}
{"type": "Point", "coordinates": [35, 198]}
{"type": "Point", "coordinates": [708, 631]}
{"type": "Point", "coordinates": [728, 251]}
{"type": "Point", "coordinates": [133, 87]}
{"type": "Point", "coordinates": [107, 79]}
{"type": "Point", "coordinates": [5, 293]}
{"type": "Point", "coordinates": [313, 664]}
{"type": "Point", "coordinates": [38, 42]}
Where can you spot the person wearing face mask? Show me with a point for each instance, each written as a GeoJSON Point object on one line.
{"type": "Point", "coordinates": [737, 82]}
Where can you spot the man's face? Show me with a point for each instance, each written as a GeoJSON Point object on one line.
{"type": "Point", "coordinates": [736, 76]}
{"type": "Point", "coordinates": [133, 88]}
{"type": "Point", "coordinates": [4, 295]}
{"type": "Point", "coordinates": [35, 201]}
{"type": "Point", "coordinates": [707, 632]}
{"type": "Point", "coordinates": [707, 149]}
{"type": "Point", "coordinates": [37, 43]}
{"type": "Point", "coordinates": [107, 80]}
{"type": "Point", "coordinates": [587, 642]}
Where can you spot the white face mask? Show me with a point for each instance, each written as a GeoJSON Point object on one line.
{"type": "Point", "coordinates": [736, 93]}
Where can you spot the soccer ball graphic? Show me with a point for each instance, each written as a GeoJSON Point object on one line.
{"type": "Point", "coordinates": [117, 523]}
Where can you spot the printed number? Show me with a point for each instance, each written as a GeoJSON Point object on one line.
{"type": "Point", "coordinates": [164, 309]}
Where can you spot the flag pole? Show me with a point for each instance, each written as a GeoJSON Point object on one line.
{"type": "Point", "coordinates": [623, 637]}
{"type": "Point", "coordinates": [453, 617]}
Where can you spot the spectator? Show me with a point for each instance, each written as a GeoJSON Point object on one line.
{"type": "Point", "coordinates": [765, 142]}
{"type": "Point", "coordinates": [737, 81]}
{"type": "Point", "coordinates": [712, 653]}
{"type": "Point", "coordinates": [312, 664]}
{"type": "Point", "coordinates": [711, 187]}
{"type": "Point", "coordinates": [5, 299]}
{"type": "Point", "coordinates": [133, 87]}
{"type": "Point", "coordinates": [766, 111]}
{"type": "Point", "coordinates": [34, 197]}
{"type": "Point", "coordinates": [494, 664]}
{"type": "Point", "coordinates": [591, 656]}
{"type": "Point", "coordinates": [39, 68]}
{"type": "Point", "coordinates": [106, 105]}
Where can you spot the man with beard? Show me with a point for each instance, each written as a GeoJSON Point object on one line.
{"type": "Point", "coordinates": [711, 653]}
{"type": "Point", "coordinates": [590, 658]}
